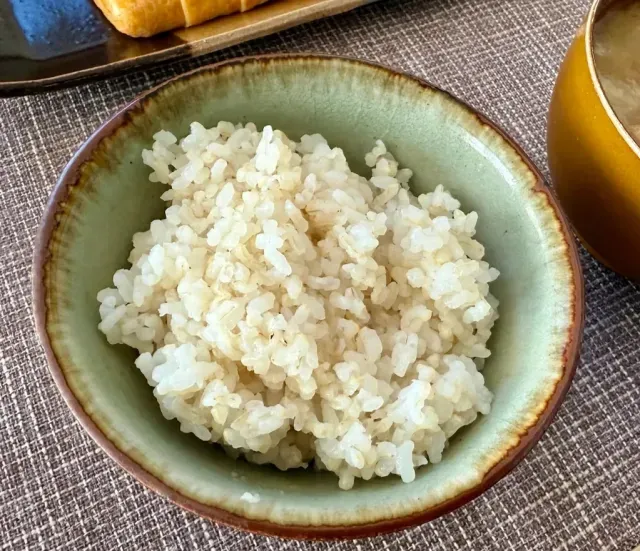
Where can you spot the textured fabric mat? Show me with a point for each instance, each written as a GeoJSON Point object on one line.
{"type": "Point", "coordinates": [580, 486]}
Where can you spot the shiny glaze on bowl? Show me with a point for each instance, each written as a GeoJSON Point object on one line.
{"type": "Point", "coordinates": [104, 191]}
{"type": "Point", "coordinates": [594, 162]}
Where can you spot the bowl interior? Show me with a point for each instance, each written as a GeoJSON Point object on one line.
{"type": "Point", "coordinates": [351, 104]}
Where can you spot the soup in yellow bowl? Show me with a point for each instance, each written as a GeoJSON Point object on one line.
{"type": "Point", "coordinates": [616, 48]}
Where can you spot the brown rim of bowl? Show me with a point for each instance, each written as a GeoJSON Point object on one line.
{"type": "Point", "coordinates": [597, 10]}
{"type": "Point", "coordinates": [507, 462]}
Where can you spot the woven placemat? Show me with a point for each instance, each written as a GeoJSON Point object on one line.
{"type": "Point", "coordinates": [578, 489]}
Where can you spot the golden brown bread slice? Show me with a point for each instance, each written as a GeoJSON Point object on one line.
{"type": "Point", "coordinates": [197, 11]}
{"type": "Point", "coordinates": [143, 17]}
{"type": "Point", "coordinates": [148, 17]}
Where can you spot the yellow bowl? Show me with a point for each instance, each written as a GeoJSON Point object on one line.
{"type": "Point", "coordinates": [594, 162]}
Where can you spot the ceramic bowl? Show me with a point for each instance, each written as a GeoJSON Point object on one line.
{"type": "Point", "coordinates": [104, 196]}
{"type": "Point", "coordinates": [594, 162]}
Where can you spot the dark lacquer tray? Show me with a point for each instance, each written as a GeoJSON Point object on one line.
{"type": "Point", "coordinates": [51, 43]}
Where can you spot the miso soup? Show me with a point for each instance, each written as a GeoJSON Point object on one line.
{"type": "Point", "coordinates": [616, 39]}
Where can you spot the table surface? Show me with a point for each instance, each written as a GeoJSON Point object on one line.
{"type": "Point", "coordinates": [580, 486]}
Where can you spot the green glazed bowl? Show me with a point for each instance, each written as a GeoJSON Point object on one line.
{"type": "Point", "coordinates": [104, 196]}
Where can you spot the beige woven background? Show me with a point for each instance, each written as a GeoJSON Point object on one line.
{"type": "Point", "coordinates": [579, 489]}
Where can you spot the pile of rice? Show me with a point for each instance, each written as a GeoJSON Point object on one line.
{"type": "Point", "coordinates": [298, 313]}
